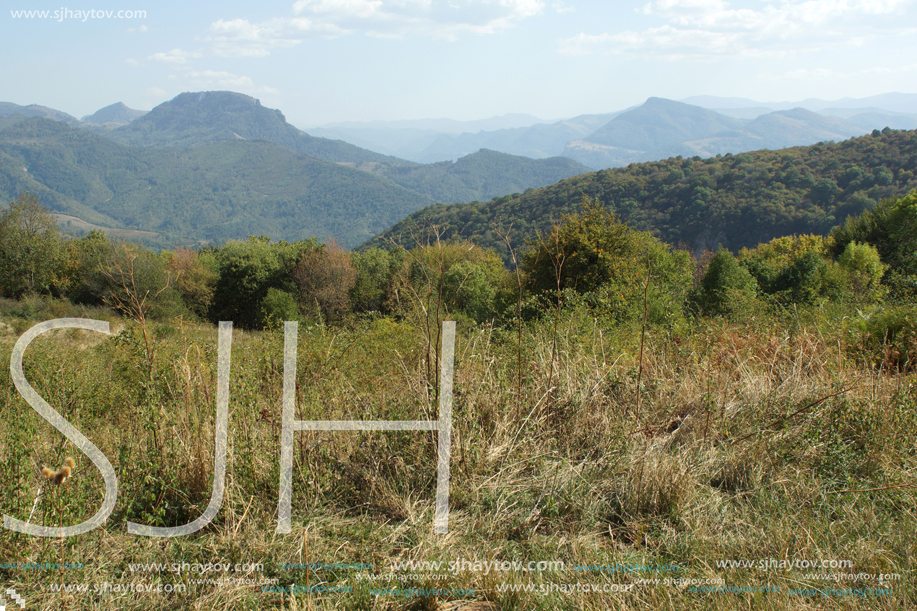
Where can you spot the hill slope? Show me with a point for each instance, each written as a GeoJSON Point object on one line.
{"type": "Point", "coordinates": [663, 128]}
{"type": "Point", "coordinates": [212, 192]}
{"type": "Point", "coordinates": [537, 141]}
{"type": "Point", "coordinates": [735, 201]}
{"type": "Point", "coordinates": [34, 110]}
{"type": "Point", "coordinates": [195, 119]}
{"type": "Point", "coordinates": [116, 113]}
{"type": "Point", "coordinates": [482, 175]}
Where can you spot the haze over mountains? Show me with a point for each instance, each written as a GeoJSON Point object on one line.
{"type": "Point", "coordinates": [114, 116]}
{"type": "Point", "coordinates": [648, 132]}
{"type": "Point", "coordinates": [211, 166]}
{"type": "Point", "coordinates": [34, 110]}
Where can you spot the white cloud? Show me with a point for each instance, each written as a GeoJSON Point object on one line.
{"type": "Point", "coordinates": [241, 38]}
{"type": "Point", "coordinates": [713, 28]}
{"type": "Point", "coordinates": [362, 9]}
{"type": "Point", "coordinates": [898, 69]}
{"type": "Point", "coordinates": [448, 19]}
{"type": "Point", "coordinates": [443, 19]}
{"type": "Point", "coordinates": [825, 74]}
{"type": "Point", "coordinates": [130, 61]}
{"type": "Point", "coordinates": [156, 92]}
{"type": "Point", "coordinates": [208, 79]}
{"type": "Point", "coordinates": [817, 74]}
{"type": "Point", "coordinates": [175, 57]}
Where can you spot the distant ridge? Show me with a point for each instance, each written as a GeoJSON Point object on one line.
{"type": "Point", "coordinates": [890, 102]}
{"type": "Point", "coordinates": [661, 123]}
{"type": "Point", "coordinates": [663, 128]}
{"type": "Point", "coordinates": [581, 138]}
{"type": "Point", "coordinates": [198, 118]}
{"type": "Point", "coordinates": [34, 110]}
{"type": "Point", "coordinates": [453, 126]}
{"type": "Point", "coordinates": [116, 113]}
{"type": "Point", "coordinates": [482, 176]}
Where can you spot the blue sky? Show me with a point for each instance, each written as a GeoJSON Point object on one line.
{"type": "Point", "coordinates": [337, 60]}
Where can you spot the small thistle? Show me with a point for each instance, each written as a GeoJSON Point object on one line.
{"type": "Point", "coordinates": [61, 475]}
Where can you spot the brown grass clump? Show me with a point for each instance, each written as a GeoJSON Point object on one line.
{"type": "Point", "coordinates": [62, 474]}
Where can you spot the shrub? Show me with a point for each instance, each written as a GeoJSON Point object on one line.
{"type": "Point", "coordinates": [375, 269]}
{"type": "Point", "coordinates": [595, 255]}
{"type": "Point", "coordinates": [325, 277]}
{"type": "Point", "coordinates": [452, 277]}
{"type": "Point", "coordinates": [726, 289]}
{"type": "Point", "coordinates": [886, 337]}
{"type": "Point", "coordinates": [891, 227]}
{"type": "Point", "coordinates": [278, 307]}
{"type": "Point", "coordinates": [193, 280]}
{"type": "Point", "coordinates": [247, 271]}
{"type": "Point", "coordinates": [864, 270]}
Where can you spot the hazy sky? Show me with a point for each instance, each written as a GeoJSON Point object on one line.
{"type": "Point", "coordinates": [335, 60]}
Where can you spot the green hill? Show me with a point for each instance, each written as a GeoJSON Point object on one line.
{"type": "Point", "coordinates": [735, 201]}
{"type": "Point", "coordinates": [115, 114]}
{"type": "Point", "coordinates": [196, 119]}
{"type": "Point", "coordinates": [661, 123]}
{"type": "Point", "coordinates": [482, 175]}
{"type": "Point", "coordinates": [212, 192]}
{"type": "Point", "coordinates": [230, 189]}
{"type": "Point", "coordinates": [34, 110]}
{"type": "Point", "coordinates": [663, 128]}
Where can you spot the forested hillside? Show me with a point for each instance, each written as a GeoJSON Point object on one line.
{"type": "Point", "coordinates": [735, 201]}
{"type": "Point", "coordinates": [234, 188]}
{"type": "Point", "coordinates": [215, 192]}
{"type": "Point", "coordinates": [482, 175]}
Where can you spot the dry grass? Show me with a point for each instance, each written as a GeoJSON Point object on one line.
{"type": "Point", "coordinates": [758, 442]}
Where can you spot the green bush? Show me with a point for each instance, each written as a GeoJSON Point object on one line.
{"type": "Point", "coordinates": [864, 270]}
{"type": "Point", "coordinates": [594, 255]}
{"type": "Point", "coordinates": [726, 289]}
{"type": "Point", "coordinates": [376, 269]}
{"type": "Point", "coordinates": [278, 307]}
{"type": "Point", "coordinates": [452, 277]}
{"type": "Point", "coordinates": [32, 259]}
{"type": "Point", "coordinates": [886, 337]}
{"type": "Point", "coordinates": [247, 271]}
{"type": "Point", "coordinates": [891, 227]}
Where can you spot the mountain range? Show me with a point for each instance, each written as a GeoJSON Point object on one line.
{"type": "Point", "coordinates": [212, 166]}
{"type": "Point", "coordinates": [647, 132]}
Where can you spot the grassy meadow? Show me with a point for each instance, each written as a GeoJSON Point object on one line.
{"type": "Point", "coordinates": [774, 439]}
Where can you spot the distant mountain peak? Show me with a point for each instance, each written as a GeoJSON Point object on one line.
{"type": "Point", "coordinates": [115, 113]}
{"type": "Point", "coordinates": [36, 110]}
{"type": "Point", "coordinates": [220, 112]}
{"type": "Point", "coordinates": [214, 98]}
{"type": "Point", "coordinates": [198, 118]}
{"type": "Point", "coordinates": [217, 102]}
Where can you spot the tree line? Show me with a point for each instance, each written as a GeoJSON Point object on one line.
{"type": "Point", "coordinates": [589, 259]}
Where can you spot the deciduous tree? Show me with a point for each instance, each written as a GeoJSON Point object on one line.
{"type": "Point", "coordinates": [31, 251]}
